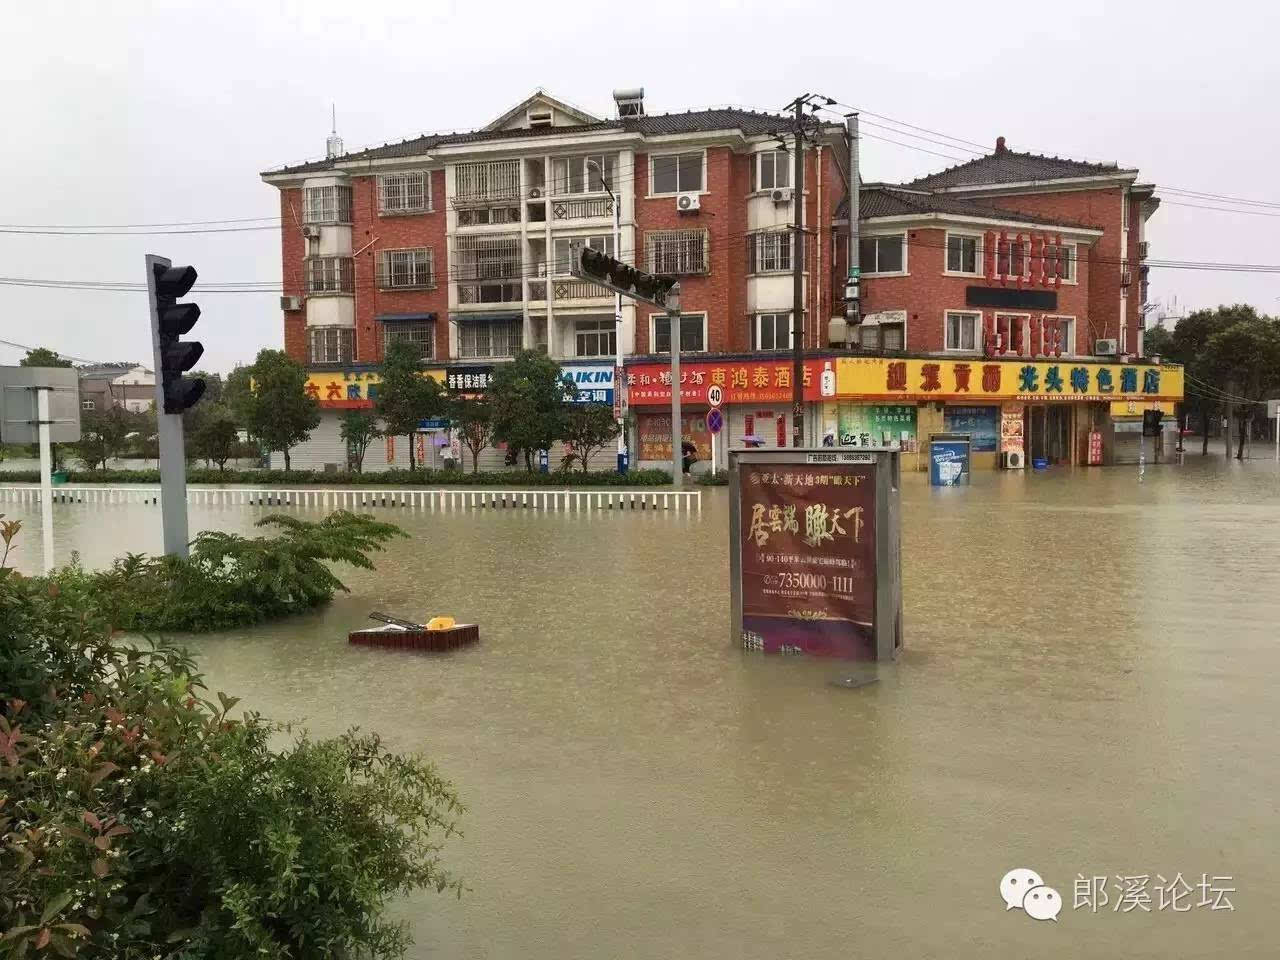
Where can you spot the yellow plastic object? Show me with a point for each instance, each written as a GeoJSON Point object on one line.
{"type": "Point", "coordinates": [441, 623]}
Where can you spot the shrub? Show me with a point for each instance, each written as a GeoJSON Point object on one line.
{"type": "Point", "coordinates": [139, 818]}
{"type": "Point", "coordinates": [388, 478]}
{"type": "Point", "coordinates": [720, 479]}
{"type": "Point", "coordinates": [230, 580]}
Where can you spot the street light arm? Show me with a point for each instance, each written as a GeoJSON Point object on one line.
{"type": "Point", "coordinates": [603, 179]}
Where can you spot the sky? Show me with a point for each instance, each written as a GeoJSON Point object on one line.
{"type": "Point", "coordinates": [140, 113]}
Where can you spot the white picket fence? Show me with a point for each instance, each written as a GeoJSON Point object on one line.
{"type": "Point", "coordinates": [579, 501]}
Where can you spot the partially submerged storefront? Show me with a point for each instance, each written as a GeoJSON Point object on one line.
{"type": "Point", "coordinates": [1016, 411]}
{"type": "Point", "coordinates": [756, 397]}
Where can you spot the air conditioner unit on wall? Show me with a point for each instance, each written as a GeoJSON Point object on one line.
{"type": "Point", "coordinates": [1013, 460]}
{"type": "Point", "coordinates": [688, 202]}
{"type": "Point", "coordinates": [311, 231]}
{"type": "Point", "coordinates": [535, 193]}
{"type": "Point", "coordinates": [1105, 348]}
{"type": "Point", "coordinates": [781, 195]}
{"type": "Point", "coordinates": [290, 303]}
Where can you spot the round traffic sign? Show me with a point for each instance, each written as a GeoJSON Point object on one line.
{"type": "Point", "coordinates": [715, 395]}
{"type": "Point", "coordinates": [715, 419]}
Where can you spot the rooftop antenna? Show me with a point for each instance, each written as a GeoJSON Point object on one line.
{"type": "Point", "coordinates": [333, 142]}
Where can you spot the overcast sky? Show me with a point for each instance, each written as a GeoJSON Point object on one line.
{"type": "Point", "coordinates": [130, 112]}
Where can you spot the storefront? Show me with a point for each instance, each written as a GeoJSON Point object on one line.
{"type": "Point", "coordinates": [1015, 411]}
{"type": "Point", "coordinates": [755, 395]}
{"type": "Point", "coordinates": [338, 391]}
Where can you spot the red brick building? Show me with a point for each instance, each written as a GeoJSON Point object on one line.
{"type": "Point", "coordinates": [459, 244]}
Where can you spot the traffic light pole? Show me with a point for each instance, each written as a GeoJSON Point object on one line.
{"type": "Point", "coordinates": [173, 460]}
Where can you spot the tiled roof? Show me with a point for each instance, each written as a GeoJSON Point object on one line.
{"type": "Point", "coordinates": [880, 200]}
{"type": "Point", "coordinates": [1006, 166]}
{"type": "Point", "coordinates": [694, 121]}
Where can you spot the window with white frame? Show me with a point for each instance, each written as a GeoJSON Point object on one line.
{"type": "Point", "coordinates": [1060, 261]}
{"type": "Point", "coordinates": [769, 252]}
{"type": "Point", "coordinates": [962, 330]}
{"type": "Point", "coordinates": [884, 337]}
{"type": "Point", "coordinates": [596, 337]}
{"type": "Point", "coordinates": [487, 180]}
{"type": "Point", "coordinates": [770, 169]}
{"type": "Point", "coordinates": [582, 174]}
{"type": "Point", "coordinates": [489, 338]}
{"type": "Point", "coordinates": [772, 331]}
{"type": "Point", "coordinates": [331, 204]}
{"type": "Point", "coordinates": [963, 255]}
{"type": "Point", "coordinates": [675, 173]}
{"type": "Point", "coordinates": [562, 251]}
{"type": "Point", "coordinates": [883, 254]}
{"type": "Point", "coordinates": [1060, 331]}
{"type": "Point", "coordinates": [1011, 258]}
{"type": "Point", "coordinates": [418, 334]}
{"type": "Point", "coordinates": [1011, 329]}
{"type": "Point", "coordinates": [676, 251]}
{"type": "Point", "coordinates": [404, 192]}
{"type": "Point", "coordinates": [332, 344]}
{"type": "Point", "coordinates": [329, 274]}
{"type": "Point", "coordinates": [693, 332]}
{"type": "Point", "coordinates": [406, 269]}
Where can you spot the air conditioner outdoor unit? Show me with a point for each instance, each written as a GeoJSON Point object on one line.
{"type": "Point", "coordinates": [535, 193]}
{"type": "Point", "coordinates": [1013, 460]}
{"type": "Point", "coordinates": [687, 202]}
{"type": "Point", "coordinates": [290, 303]}
{"type": "Point", "coordinates": [311, 231]}
{"type": "Point", "coordinates": [1105, 348]}
{"type": "Point", "coordinates": [781, 195]}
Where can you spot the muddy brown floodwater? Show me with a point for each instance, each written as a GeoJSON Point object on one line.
{"type": "Point", "coordinates": [1089, 688]}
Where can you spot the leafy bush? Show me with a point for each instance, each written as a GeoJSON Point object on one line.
{"type": "Point", "coordinates": [388, 478]}
{"type": "Point", "coordinates": [709, 479]}
{"type": "Point", "coordinates": [230, 580]}
{"type": "Point", "coordinates": [140, 819]}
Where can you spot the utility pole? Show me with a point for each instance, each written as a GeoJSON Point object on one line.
{"type": "Point", "coordinates": [797, 275]}
{"type": "Point", "coordinates": [852, 308]}
{"type": "Point", "coordinates": [677, 435]}
{"type": "Point", "coordinates": [617, 318]}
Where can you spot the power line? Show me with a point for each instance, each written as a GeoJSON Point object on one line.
{"type": "Point", "coordinates": [132, 233]}
{"type": "Point", "coordinates": [64, 356]}
{"type": "Point", "coordinates": [1217, 393]}
{"type": "Point", "coordinates": [1201, 206]}
{"type": "Point", "coordinates": [129, 226]}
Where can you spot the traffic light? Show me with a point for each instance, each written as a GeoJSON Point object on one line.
{"type": "Point", "coordinates": [173, 320]}
{"type": "Point", "coordinates": [591, 264]}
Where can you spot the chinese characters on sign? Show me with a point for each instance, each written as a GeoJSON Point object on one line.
{"type": "Point", "coordinates": [764, 381]}
{"type": "Point", "coordinates": [808, 558]}
{"type": "Point", "coordinates": [995, 379]}
{"type": "Point", "coordinates": [874, 425]}
{"type": "Point", "coordinates": [468, 379]}
{"type": "Point", "coordinates": [349, 389]}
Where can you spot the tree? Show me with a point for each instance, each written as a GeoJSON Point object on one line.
{"type": "Point", "coordinates": [358, 430]}
{"type": "Point", "coordinates": [277, 410]}
{"type": "Point", "coordinates": [473, 419]}
{"type": "Point", "coordinates": [1245, 359]}
{"type": "Point", "coordinates": [406, 395]}
{"type": "Point", "coordinates": [587, 428]}
{"type": "Point", "coordinates": [43, 357]}
{"type": "Point", "coordinates": [104, 435]}
{"type": "Point", "coordinates": [1189, 346]}
{"type": "Point", "coordinates": [216, 437]}
{"type": "Point", "coordinates": [529, 400]}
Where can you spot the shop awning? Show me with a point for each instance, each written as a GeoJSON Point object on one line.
{"type": "Point", "coordinates": [404, 317]}
{"type": "Point", "coordinates": [487, 317]}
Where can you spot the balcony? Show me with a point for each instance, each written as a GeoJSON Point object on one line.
{"type": "Point", "coordinates": [563, 208]}
{"type": "Point", "coordinates": [485, 183]}
{"type": "Point", "coordinates": [573, 289]}
{"type": "Point", "coordinates": [489, 291]}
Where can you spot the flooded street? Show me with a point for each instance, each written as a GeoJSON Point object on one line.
{"type": "Point", "coordinates": [1088, 687]}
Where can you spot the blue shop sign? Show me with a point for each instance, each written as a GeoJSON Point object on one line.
{"type": "Point", "coordinates": [594, 382]}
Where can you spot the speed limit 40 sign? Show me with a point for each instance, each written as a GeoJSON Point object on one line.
{"type": "Point", "coordinates": [715, 395]}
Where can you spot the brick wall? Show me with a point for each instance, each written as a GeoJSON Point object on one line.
{"type": "Point", "coordinates": [926, 294]}
{"type": "Point", "coordinates": [291, 251]}
{"type": "Point", "coordinates": [379, 233]}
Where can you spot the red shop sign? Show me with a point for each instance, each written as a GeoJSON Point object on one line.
{"type": "Point", "coordinates": [766, 381]}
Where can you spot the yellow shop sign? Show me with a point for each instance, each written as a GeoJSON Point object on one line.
{"type": "Point", "coordinates": [350, 389]}
{"type": "Point", "coordinates": [884, 378]}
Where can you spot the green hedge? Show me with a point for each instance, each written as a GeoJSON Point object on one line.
{"type": "Point", "coordinates": [416, 478]}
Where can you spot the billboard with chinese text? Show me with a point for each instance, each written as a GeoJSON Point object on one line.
{"type": "Point", "coordinates": [756, 381]}
{"type": "Point", "coordinates": [982, 424]}
{"type": "Point", "coordinates": [354, 388]}
{"type": "Point", "coordinates": [879, 424]}
{"type": "Point", "coordinates": [807, 549]}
